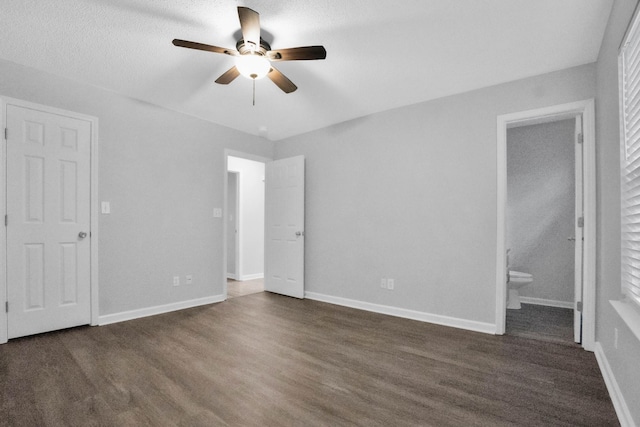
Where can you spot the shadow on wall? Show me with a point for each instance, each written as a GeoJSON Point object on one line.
{"type": "Point", "coordinates": [541, 207]}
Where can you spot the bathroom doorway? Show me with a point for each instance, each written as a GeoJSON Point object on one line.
{"type": "Point", "coordinates": [541, 207]}
{"type": "Point", "coordinates": [546, 223]}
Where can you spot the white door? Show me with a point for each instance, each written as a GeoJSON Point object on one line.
{"type": "Point", "coordinates": [284, 227]}
{"type": "Point", "coordinates": [48, 218]}
{"type": "Point", "coordinates": [579, 227]}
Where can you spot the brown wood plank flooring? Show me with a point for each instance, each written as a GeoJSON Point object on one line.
{"type": "Point", "coordinates": [246, 287]}
{"type": "Point", "coordinates": [268, 360]}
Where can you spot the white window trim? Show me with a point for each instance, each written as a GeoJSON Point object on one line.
{"type": "Point", "coordinates": [629, 154]}
{"type": "Point", "coordinates": [628, 308]}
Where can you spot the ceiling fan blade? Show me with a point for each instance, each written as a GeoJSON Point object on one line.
{"type": "Point", "coordinates": [207, 47]}
{"type": "Point", "coordinates": [281, 81]}
{"type": "Point", "coordinates": [250, 25]}
{"type": "Point", "coordinates": [298, 53]}
{"type": "Point", "coordinates": [228, 76]}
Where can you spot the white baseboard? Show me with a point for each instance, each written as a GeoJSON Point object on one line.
{"type": "Point", "coordinates": [487, 328]}
{"type": "Point", "coordinates": [231, 276]}
{"type": "Point", "coordinates": [547, 302]}
{"type": "Point", "coordinates": [251, 277]}
{"type": "Point", "coordinates": [622, 410]}
{"type": "Point", "coordinates": [159, 309]}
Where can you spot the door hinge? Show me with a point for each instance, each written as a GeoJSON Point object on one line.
{"type": "Point", "coordinates": [579, 306]}
{"type": "Point", "coordinates": [6, 306]}
{"type": "Point", "coordinates": [581, 222]}
{"type": "Point", "coordinates": [6, 220]}
{"type": "Point", "coordinates": [6, 132]}
{"type": "Point", "coordinates": [580, 138]}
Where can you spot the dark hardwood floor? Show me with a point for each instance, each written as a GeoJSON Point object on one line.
{"type": "Point", "coordinates": [268, 360]}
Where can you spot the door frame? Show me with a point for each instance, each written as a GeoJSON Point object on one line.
{"type": "Point", "coordinates": [225, 208]}
{"type": "Point", "coordinates": [540, 115]}
{"type": "Point", "coordinates": [93, 267]}
{"type": "Point", "coordinates": [237, 255]}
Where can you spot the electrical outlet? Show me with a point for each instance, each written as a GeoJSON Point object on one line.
{"type": "Point", "coordinates": [189, 279]}
{"type": "Point", "coordinates": [383, 283]}
{"type": "Point", "coordinates": [615, 338]}
{"type": "Point", "coordinates": [176, 280]}
{"type": "Point", "coordinates": [217, 212]}
{"type": "Point", "coordinates": [391, 284]}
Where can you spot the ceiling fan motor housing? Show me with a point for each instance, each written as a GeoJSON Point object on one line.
{"type": "Point", "coordinates": [251, 49]}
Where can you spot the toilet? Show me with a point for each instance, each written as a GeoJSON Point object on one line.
{"type": "Point", "coordinates": [516, 280]}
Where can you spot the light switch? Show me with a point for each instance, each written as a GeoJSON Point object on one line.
{"type": "Point", "coordinates": [217, 212]}
{"type": "Point", "coordinates": [106, 208]}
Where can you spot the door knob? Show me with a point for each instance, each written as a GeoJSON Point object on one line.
{"type": "Point", "coordinates": [572, 239]}
{"type": "Point", "coordinates": [82, 234]}
{"type": "Point", "coordinates": [299, 233]}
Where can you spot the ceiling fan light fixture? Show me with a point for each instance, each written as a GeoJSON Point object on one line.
{"type": "Point", "coordinates": [253, 66]}
{"type": "Point", "coordinates": [254, 55]}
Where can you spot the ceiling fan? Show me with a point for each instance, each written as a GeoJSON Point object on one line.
{"type": "Point", "coordinates": [254, 55]}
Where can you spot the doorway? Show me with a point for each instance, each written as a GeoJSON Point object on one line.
{"type": "Point", "coordinates": [244, 216]}
{"type": "Point", "coordinates": [542, 185]}
{"type": "Point", "coordinates": [281, 234]}
{"type": "Point", "coordinates": [583, 303]}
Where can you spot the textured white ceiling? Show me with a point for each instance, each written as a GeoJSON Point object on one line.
{"type": "Point", "coordinates": [380, 54]}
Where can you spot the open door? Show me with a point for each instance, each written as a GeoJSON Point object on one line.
{"type": "Point", "coordinates": [284, 227]}
{"type": "Point", "coordinates": [579, 234]}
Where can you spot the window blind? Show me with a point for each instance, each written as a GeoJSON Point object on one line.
{"type": "Point", "coordinates": [629, 66]}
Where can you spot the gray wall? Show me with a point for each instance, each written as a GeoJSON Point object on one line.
{"type": "Point", "coordinates": [541, 207]}
{"type": "Point", "coordinates": [163, 173]}
{"type": "Point", "coordinates": [624, 360]}
{"type": "Point", "coordinates": [232, 223]}
{"type": "Point", "coordinates": [411, 194]}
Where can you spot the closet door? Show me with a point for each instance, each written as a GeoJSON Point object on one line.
{"type": "Point", "coordinates": [48, 221]}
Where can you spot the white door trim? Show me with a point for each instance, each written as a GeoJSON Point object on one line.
{"type": "Point", "coordinates": [578, 234]}
{"type": "Point", "coordinates": [4, 102]}
{"type": "Point", "coordinates": [587, 109]}
{"type": "Point", "coordinates": [225, 209]}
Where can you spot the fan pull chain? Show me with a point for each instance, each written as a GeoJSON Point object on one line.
{"type": "Point", "coordinates": [254, 92]}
